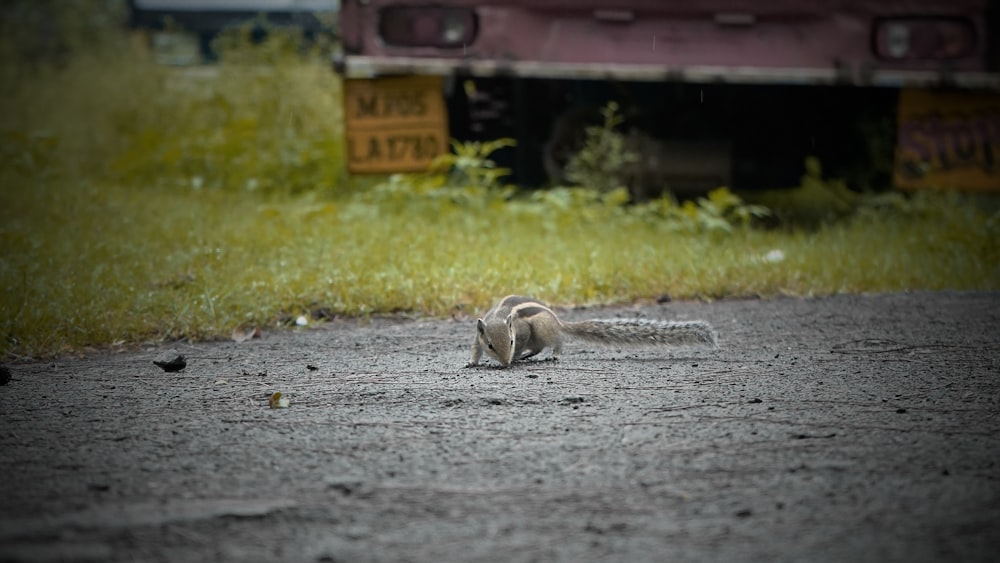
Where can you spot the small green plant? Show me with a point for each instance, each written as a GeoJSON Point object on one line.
{"type": "Point", "coordinates": [601, 162]}
{"type": "Point", "coordinates": [470, 165]}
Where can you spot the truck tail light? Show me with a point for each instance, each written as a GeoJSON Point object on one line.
{"type": "Point", "coordinates": [427, 26]}
{"type": "Point", "coordinates": [924, 38]}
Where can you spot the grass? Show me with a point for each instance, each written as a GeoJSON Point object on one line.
{"type": "Point", "coordinates": [143, 203]}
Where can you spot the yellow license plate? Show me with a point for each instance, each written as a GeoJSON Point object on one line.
{"type": "Point", "coordinates": [948, 139]}
{"type": "Point", "coordinates": [394, 124]}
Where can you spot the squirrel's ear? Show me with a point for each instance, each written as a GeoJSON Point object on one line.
{"type": "Point", "coordinates": [509, 319]}
{"type": "Point", "coordinates": [481, 326]}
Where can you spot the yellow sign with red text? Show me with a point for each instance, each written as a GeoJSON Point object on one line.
{"type": "Point", "coordinates": [394, 124]}
{"type": "Point", "coordinates": [948, 140]}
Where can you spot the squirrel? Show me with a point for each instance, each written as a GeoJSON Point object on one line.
{"type": "Point", "coordinates": [521, 327]}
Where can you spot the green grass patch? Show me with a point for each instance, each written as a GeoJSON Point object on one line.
{"type": "Point", "coordinates": [143, 203]}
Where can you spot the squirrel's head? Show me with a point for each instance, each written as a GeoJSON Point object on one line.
{"type": "Point", "coordinates": [498, 339]}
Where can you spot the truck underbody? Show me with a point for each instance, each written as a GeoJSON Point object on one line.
{"type": "Point", "coordinates": [723, 92]}
{"type": "Point", "coordinates": [692, 137]}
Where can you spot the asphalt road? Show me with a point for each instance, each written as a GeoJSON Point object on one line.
{"type": "Point", "coordinates": [853, 428]}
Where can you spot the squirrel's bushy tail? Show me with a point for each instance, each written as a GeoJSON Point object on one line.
{"type": "Point", "coordinates": [638, 332]}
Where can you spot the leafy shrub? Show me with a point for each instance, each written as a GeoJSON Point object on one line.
{"type": "Point", "coordinates": [469, 178]}
{"type": "Point", "coordinates": [814, 202]}
{"type": "Point", "coordinates": [265, 120]}
{"type": "Point", "coordinates": [600, 164]}
{"type": "Point", "coordinates": [35, 34]}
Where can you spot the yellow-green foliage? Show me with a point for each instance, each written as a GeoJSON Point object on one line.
{"type": "Point", "coordinates": [141, 203]}
{"type": "Point", "coordinates": [813, 202]}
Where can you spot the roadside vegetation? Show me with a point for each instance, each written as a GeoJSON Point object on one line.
{"type": "Point", "coordinates": [142, 202]}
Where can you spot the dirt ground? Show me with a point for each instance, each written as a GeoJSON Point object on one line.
{"type": "Point", "coordinates": [854, 428]}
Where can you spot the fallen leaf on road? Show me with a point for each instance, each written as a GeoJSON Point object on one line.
{"type": "Point", "coordinates": [244, 333]}
{"type": "Point", "coordinates": [278, 401]}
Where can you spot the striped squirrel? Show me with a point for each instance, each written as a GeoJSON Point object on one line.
{"type": "Point", "coordinates": [521, 327]}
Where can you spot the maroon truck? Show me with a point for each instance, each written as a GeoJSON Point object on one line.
{"type": "Point", "coordinates": [713, 92]}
